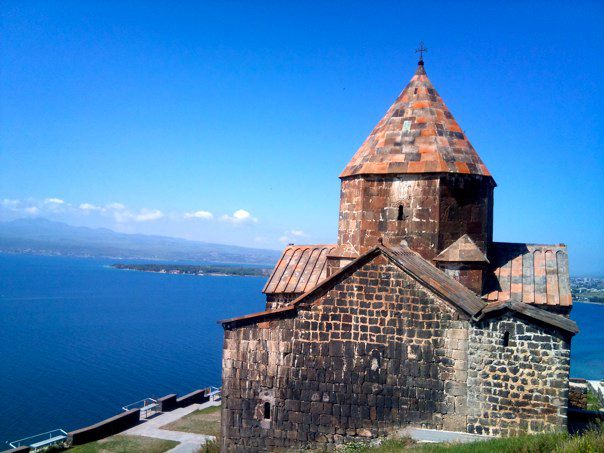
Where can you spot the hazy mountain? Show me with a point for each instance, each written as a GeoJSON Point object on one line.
{"type": "Point", "coordinates": [42, 236]}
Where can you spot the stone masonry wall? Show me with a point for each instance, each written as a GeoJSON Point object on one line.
{"type": "Point", "coordinates": [521, 387]}
{"type": "Point", "coordinates": [466, 207]}
{"type": "Point", "coordinates": [375, 352]}
{"type": "Point", "coordinates": [577, 393]}
{"type": "Point", "coordinates": [256, 364]}
{"type": "Point", "coordinates": [279, 300]}
{"type": "Point", "coordinates": [468, 274]}
{"type": "Point", "coordinates": [436, 211]}
{"type": "Point", "coordinates": [369, 210]}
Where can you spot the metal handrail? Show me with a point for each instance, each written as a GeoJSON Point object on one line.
{"type": "Point", "coordinates": [20, 442]}
{"type": "Point", "coordinates": [151, 401]}
{"type": "Point", "coordinates": [213, 392]}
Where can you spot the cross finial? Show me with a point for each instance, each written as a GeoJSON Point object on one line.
{"type": "Point", "coordinates": [421, 49]}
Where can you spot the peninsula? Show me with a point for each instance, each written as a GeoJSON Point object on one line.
{"type": "Point", "coordinates": [239, 271]}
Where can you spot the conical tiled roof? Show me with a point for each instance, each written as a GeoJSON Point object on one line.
{"type": "Point", "coordinates": [418, 134]}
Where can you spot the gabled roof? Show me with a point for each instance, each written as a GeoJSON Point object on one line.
{"type": "Point", "coordinates": [463, 250]}
{"type": "Point", "coordinates": [418, 134]}
{"type": "Point", "coordinates": [409, 262]}
{"type": "Point", "coordinates": [532, 312]}
{"type": "Point", "coordinates": [430, 277]}
{"type": "Point", "coordinates": [299, 269]}
{"type": "Point", "coordinates": [529, 273]}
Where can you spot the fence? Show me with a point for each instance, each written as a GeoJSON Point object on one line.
{"type": "Point", "coordinates": [131, 418]}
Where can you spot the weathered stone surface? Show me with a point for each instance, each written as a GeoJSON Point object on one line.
{"type": "Point", "coordinates": [429, 212]}
{"type": "Point", "coordinates": [392, 341]}
{"type": "Point", "coordinates": [377, 351]}
{"type": "Point", "coordinates": [577, 395]}
{"type": "Point", "coordinates": [521, 387]}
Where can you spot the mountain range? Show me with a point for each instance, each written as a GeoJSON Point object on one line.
{"type": "Point", "coordinates": [45, 237]}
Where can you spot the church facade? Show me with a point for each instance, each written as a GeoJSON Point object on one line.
{"type": "Point", "coordinates": [416, 317]}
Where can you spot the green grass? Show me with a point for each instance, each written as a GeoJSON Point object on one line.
{"type": "Point", "coordinates": [590, 442]}
{"type": "Point", "coordinates": [124, 444]}
{"type": "Point", "coordinates": [593, 403]}
{"type": "Point", "coordinates": [204, 421]}
{"type": "Point", "coordinates": [386, 446]}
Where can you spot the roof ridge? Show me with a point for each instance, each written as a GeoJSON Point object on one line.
{"type": "Point", "coordinates": [477, 310]}
{"type": "Point", "coordinates": [530, 311]}
{"type": "Point", "coordinates": [456, 293]}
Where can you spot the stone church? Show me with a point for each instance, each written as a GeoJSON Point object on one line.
{"type": "Point", "coordinates": [416, 317]}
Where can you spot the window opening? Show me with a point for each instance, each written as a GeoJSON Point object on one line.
{"type": "Point", "coordinates": [267, 411]}
{"type": "Point", "coordinates": [401, 213]}
{"type": "Point", "coordinates": [506, 339]}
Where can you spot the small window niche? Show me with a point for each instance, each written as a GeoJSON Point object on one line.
{"type": "Point", "coordinates": [401, 213]}
{"type": "Point", "coordinates": [267, 410]}
{"type": "Point", "coordinates": [506, 339]}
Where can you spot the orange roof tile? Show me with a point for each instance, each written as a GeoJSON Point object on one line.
{"type": "Point", "coordinates": [533, 274]}
{"type": "Point", "coordinates": [429, 276]}
{"type": "Point", "coordinates": [299, 269]}
{"type": "Point", "coordinates": [417, 127]}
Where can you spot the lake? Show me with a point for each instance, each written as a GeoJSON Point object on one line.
{"type": "Point", "coordinates": [79, 339]}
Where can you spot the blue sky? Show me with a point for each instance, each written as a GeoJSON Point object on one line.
{"type": "Point", "coordinates": [230, 122]}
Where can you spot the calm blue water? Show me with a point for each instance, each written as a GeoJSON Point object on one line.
{"type": "Point", "coordinates": [78, 339]}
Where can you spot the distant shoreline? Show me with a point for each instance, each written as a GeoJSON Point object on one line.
{"type": "Point", "coordinates": [184, 269]}
{"type": "Point", "coordinates": [587, 302]}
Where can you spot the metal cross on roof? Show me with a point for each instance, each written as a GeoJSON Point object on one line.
{"type": "Point", "coordinates": [421, 49]}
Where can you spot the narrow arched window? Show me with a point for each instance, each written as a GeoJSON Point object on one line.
{"type": "Point", "coordinates": [506, 339]}
{"type": "Point", "coordinates": [267, 410]}
{"type": "Point", "coordinates": [401, 213]}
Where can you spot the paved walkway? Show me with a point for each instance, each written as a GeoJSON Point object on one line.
{"type": "Point", "coordinates": [433, 435]}
{"type": "Point", "coordinates": [189, 442]}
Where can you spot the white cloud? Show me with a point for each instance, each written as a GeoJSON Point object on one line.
{"type": "Point", "coordinates": [10, 203]}
{"type": "Point", "coordinates": [116, 206]}
{"type": "Point", "coordinates": [54, 201]}
{"type": "Point", "coordinates": [87, 207]}
{"type": "Point", "coordinates": [57, 206]}
{"type": "Point", "coordinates": [144, 215]}
{"type": "Point", "coordinates": [147, 215]}
{"type": "Point", "coordinates": [198, 215]}
{"type": "Point", "coordinates": [239, 217]}
{"type": "Point", "coordinates": [27, 207]}
{"type": "Point", "coordinates": [298, 233]}
{"type": "Point", "coordinates": [32, 206]}
{"type": "Point", "coordinates": [54, 205]}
